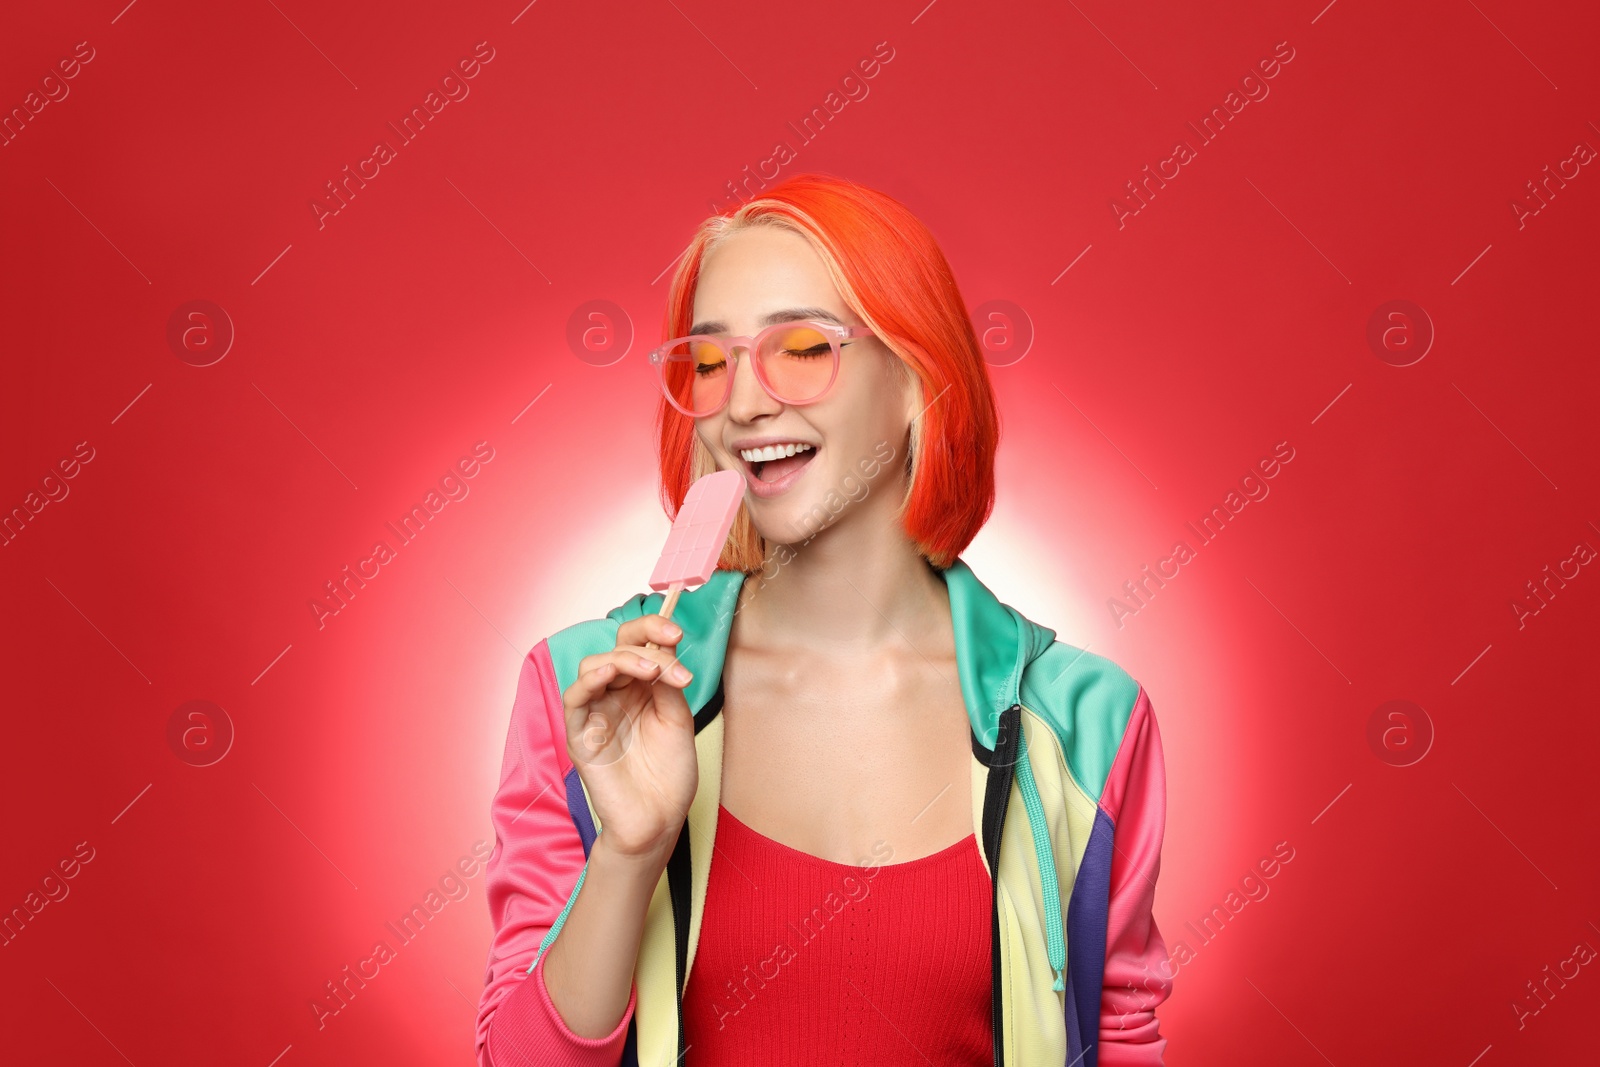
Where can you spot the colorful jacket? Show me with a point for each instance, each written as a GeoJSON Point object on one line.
{"type": "Point", "coordinates": [1068, 794]}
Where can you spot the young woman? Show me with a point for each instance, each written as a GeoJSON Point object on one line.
{"type": "Point", "coordinates": [845, 806]}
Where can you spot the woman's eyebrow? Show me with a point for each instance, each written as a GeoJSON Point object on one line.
{"type": "Point", "coordinates": [786, 315]}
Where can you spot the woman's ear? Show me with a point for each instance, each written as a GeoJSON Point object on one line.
{"type": "Point", "coordinates": [913, 423]}
{"type": "Point", "coordinates": [910, 389]}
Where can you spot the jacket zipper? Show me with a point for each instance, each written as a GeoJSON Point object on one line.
{"type": "Point", "coordinates": [996, 795]}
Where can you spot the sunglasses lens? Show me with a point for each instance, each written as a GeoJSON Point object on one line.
{"type": "Point", "coordinates": [798, 363]}
{"type": "Point", "coordinates": [695, 374]}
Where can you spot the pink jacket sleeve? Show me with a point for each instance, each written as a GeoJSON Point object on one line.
{"type": "Point", "coordinates": [1138, 974]}
{"type": "Point", "coordinates": [537, 858]}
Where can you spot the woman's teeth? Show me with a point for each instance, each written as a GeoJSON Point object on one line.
{"type": "Point", "coordinates": [771, 452]}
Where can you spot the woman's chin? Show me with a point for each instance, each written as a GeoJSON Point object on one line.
{"type": "Point", "coordinates": [789, 520]}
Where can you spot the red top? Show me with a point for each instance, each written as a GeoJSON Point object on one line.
{"type": "Point", "coordinates": [803, 960]}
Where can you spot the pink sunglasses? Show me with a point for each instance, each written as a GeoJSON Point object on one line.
{"type": "Point", "coordinates": [796, 363]}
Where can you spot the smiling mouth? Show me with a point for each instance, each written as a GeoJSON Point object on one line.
{"type": "Point", "coordinates": [773, 470]}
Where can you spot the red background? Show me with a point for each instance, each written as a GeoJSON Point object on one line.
{"type": "Point", "coordinates": [1226, 316]}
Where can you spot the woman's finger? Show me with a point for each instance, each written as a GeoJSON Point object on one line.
{"type": "Point", "coordinates": [590, 683]}
{"type": "Point", "coordinates": [600, 672]}
{"type": "Point", "coordinates": [647, 628]}
{"type": "Point", "coordinates": [618, 669]}
{"type": "Point", "coordinates": [663, 660]}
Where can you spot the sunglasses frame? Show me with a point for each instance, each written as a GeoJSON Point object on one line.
{"type": "Point", "coordinates": [836, 334]}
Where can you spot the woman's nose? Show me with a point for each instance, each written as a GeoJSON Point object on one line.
{"type": "Point", "coordinates": [748, 399]}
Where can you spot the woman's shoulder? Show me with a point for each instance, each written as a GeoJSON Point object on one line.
{"type": "Point", "coordinates": [1090, 702]}
{"type": "Point", "coordinates": [1064, 676]}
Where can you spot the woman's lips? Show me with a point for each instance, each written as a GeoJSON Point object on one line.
{"type": "Point", "coordinates": [797, 467]}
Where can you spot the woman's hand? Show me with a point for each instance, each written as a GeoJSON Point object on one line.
{"type": "Point", "coordinates": [631, 736]}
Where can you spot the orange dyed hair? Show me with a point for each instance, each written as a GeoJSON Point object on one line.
{"type": "Point", "coordinates": [890, 272]}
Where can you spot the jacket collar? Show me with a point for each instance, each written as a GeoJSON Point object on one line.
{"type": "Point", "coordinates": [994, 642]}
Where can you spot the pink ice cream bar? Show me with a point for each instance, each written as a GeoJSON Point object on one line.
{"type": "Point", "coordinates": [698, 534]}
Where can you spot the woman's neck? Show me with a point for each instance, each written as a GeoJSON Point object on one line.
{"type": "Point", "coordinates": [857, 585]}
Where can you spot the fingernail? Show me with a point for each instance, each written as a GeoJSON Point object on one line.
{"type": "Point", "coordinates": [680, 674]}
{"type": "Point", "coordinates": [646, 662]}
{"type": "Point", "coordinates": [673, 632]}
